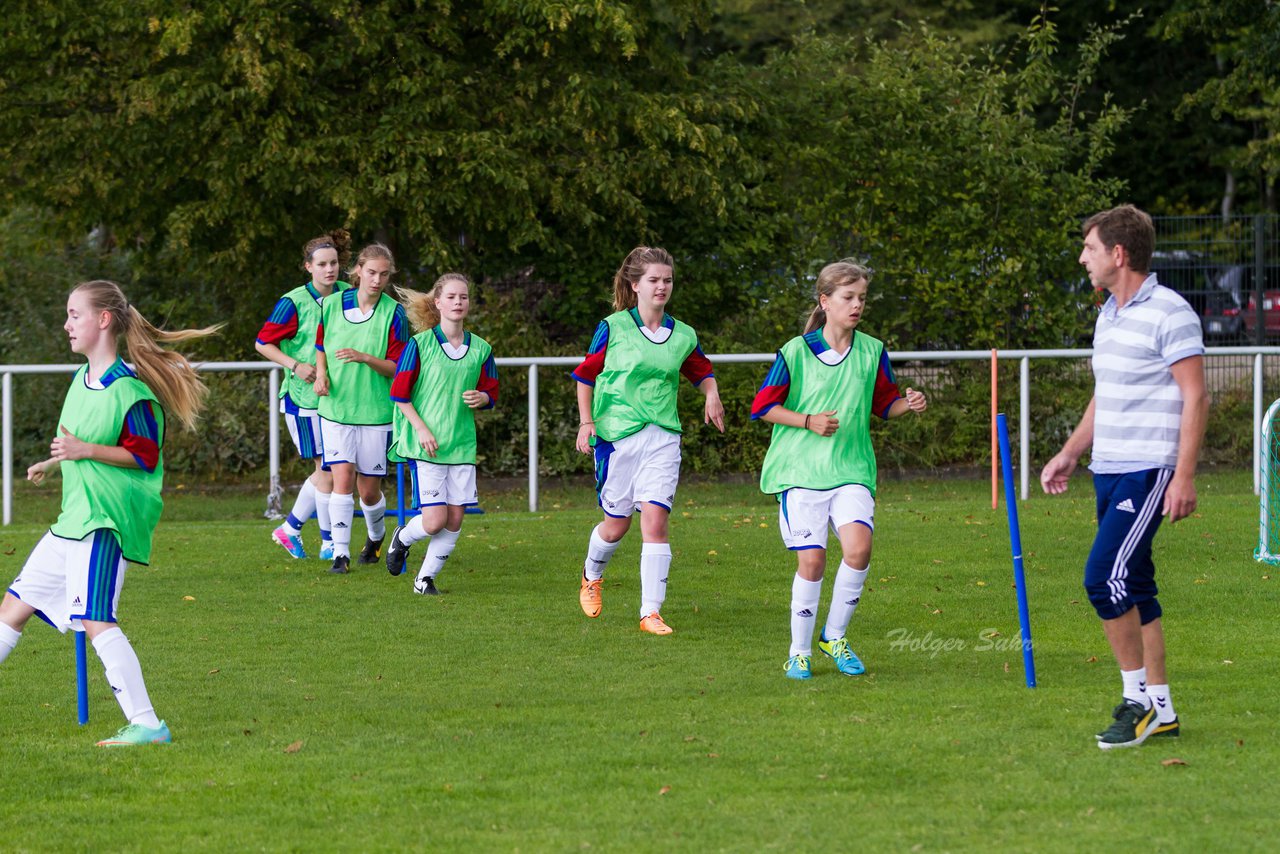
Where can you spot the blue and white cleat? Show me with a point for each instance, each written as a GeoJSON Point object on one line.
{"type": "Point", "coordinates": [839, 652]}
{"type": "Point", "coordinates": [289, 542]}
{"type": "Point", "coordinates": [135, 735]}
{"type": "Point", "coordinates": [798, 667]}
{"type": "Point", "coordinates": [326, 550]}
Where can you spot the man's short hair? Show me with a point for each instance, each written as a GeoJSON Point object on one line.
{"type": "Point", "coordinates": [1128, 227]}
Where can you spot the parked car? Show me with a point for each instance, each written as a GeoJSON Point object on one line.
{"type": "Point", "coordinates": [1199, 279]}
{"type": "Point", "coordinates": [1223, 319]}
{"type": "Point", "coordinates": [1238, 279]}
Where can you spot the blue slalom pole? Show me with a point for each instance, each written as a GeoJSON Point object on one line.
{"type": "Point", "coordinates": [400, 493]}
{"type": "Point", "coordinates": [82, 680]}
{"type": "Point", "coordinates": [1015, 545]}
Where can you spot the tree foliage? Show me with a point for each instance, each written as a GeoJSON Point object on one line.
{"type": "Point", "coordinates": [533, 142]}
{"type": "Point", "coordinates": [1244, 36]}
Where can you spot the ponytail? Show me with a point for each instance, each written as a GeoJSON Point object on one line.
{"type": "Point", "coordinates": [631, 271]}
{"type": "Point", "coordinates": [420, 307]}
{"type": "Point", "coordinates": [166, 372]}
{"type": "Point", "coordinates": [836, 275]}
{"type": "Point", "coordinates": [339, 240]}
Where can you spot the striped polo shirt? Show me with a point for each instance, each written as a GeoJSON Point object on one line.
{"type": "Point", "coordinates": [1137, 403]}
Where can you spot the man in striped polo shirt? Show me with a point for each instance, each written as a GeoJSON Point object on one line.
{"type": "Point", "coordinates": [1144, 426]}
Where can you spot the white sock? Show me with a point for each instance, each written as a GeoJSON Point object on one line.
{"type": "Point", "coordinates": [846, 592]}
{"type": "Point", "coordinates": [1135, 686]}
{"type": "Point", "coordinates": [413, 532]}
{"type": "Point", "coordinates": [124, 675]}
{"type": "Point", "coordinates": [1159, 695]}
{"type": "Point", "coordinates": [599, 551]}
{"type": "Point", "coordinates": [322, 516]}
{"type": "Point", "coordinates": [655, 566]}
{"type": "Point", "coordinates": [804, 614]}
{"type": "Point", "coordinates": [303, 507]}
{"type": "Point", "coordinates": [342, 509]}
{"type": "Point", "coordinates": [9, 637]}
{"type": "Point", "coordinates": [438, 552]}
{"type": "Point", "coordinates": [375, 518]}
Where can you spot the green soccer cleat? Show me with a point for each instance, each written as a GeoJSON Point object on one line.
{"type": "Point", "coordinates": [839, 652]}
{"type": "Point", "coordinates": [798, 667]}
{"type": "Point", "coordinates": [397, 553]}
{"type": "Point", "coordinates": [133, 735]}
{"type": "Point", "coordinates": [1133, 725]}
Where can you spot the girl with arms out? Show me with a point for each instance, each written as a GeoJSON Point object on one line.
{"type": "Point", "coordinates": [444, 374]}
{"type": "Point", "coordinates": [108, 446]}
{"type": "Point", "coordinates": [819, 396]}
{"type": "Point", "coordinates": [288, 338]}
{"type": "Point", "coordinates": [627, 406]}
{"type": "Point", "coordinates": [361, 334]}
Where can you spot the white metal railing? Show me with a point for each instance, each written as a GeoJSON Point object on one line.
{"type": "Point", "coordinates": [533, 363]}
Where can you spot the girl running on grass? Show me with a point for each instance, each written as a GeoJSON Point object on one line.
{"type": "Point", "coordinates": [819, 396]}
{"type": "Point", "coordinates": [627, 409]}
{"type": "Point", "coordinates": [444, 374]}
{"type": "Point", "coordinates": [361, 334]}
{"type": "Point", "coordinates": [288, 338]}
{"type": "Point", "coordinates": [108, 446]}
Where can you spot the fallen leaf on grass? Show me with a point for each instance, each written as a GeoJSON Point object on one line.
{"type": "Point", "coordinates": [215, 670]}
{"type": "Point", "coordinates": [188, 598]}
{"type": "Point", "coordinates": [293, 748]}
{"type": "Point", "coordinates": [1227, 661]}
{"type": "Point", "coordinates": [1172, 761]}
{"type": "Point", "coordinates": [1093, 659]}
{"type": "Point", "coordinates": [664, 790]}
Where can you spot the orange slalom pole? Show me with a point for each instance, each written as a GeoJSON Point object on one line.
{"type": "Point", "coordinates": [995, 437]}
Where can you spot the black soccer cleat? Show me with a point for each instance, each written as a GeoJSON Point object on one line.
{"type": "Point", "coordinates": [397, 553]}
{"type": "Point", "coordinates": [425, 586]}
{"type": "Point", "coordinates": [341, 565]}
{"type": "Point", "coordinates": [371, 552]}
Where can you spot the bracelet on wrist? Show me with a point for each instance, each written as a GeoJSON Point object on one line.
{"type": "Point", "coordinates": [585, 423]}
{"type": "Point", "coordinates": [806, 422]}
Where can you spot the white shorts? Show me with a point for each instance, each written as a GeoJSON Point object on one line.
{"type": "Point", "coordinates": [304, 429]}
{"type": "Point", "coordinates": [363, 444]}
{"type": "Point", "coordinates": [643, 468]}
{"type": "Point", "coordinates": [805, 514]}
{"type": "Point", "coordinates": [67, 581]}
{"type": "Point", "coordinates": [435, 484]}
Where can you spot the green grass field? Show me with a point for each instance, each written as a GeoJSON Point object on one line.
{"type": "Point", "coordinates": [318, 712]}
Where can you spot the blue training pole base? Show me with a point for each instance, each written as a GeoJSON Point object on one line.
{"type": "Point", "coordinates": [1015, 546]}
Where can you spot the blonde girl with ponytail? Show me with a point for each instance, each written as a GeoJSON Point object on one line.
{"type": "Point", "coordinates": [108, 445]}
{"type": "Point", "coordinates": [443, 376]}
